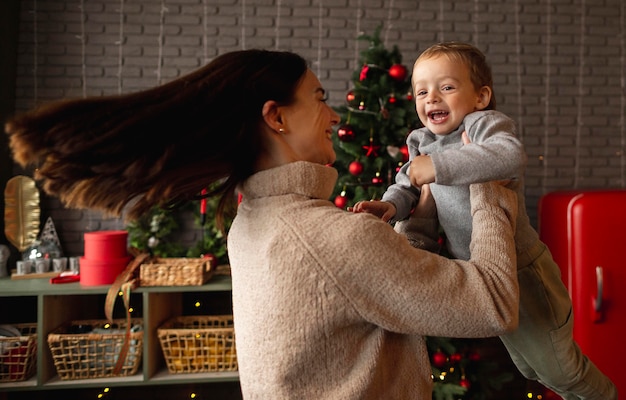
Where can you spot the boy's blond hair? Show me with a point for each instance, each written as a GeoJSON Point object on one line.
{"type": "Point", "coordinates": [474, 59]}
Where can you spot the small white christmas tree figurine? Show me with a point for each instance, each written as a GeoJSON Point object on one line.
{"type": "Point", "coordinates": [47, 245]}
{"type": "Point", "coordinates": [49, 233]}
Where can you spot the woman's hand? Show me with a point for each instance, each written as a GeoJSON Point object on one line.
{"type": "Point", "coordinates": [465, 138]}
{"type": "Point", "coordinates": [425, 207]}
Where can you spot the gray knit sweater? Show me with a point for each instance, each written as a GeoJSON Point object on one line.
{"type": "Point", "coordinates": [330, 304]}
{"type": "Point", "coordinates": [495, 153]}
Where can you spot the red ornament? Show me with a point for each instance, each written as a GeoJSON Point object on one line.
{"type": "Point", "coordinates": [355, 168]}
{"type": "Point", "coordinates": [405, 153]}
{"type": "Point", "coordinates": [455, 358]}
{"type": "Point", "coordinates": [392, 99]}
{"type": "Point", "coordinates": [377, 180]}
{"type": "Point", "coordinates": [475, 356]}
{"type": "Point", "coordinates": [341, 201]}
{"type": "Point", "coordinates": [212, 259]}
{"type": "Point", "coordinates": [439, 359]}
{"type": "Point", "coordinates": [372, 150]}
{"type": "Point", "coordinates": [350, 97]}
{"type": "Point", "coordinates": [409, 96]}
{"type": "Point", "coordinates": [398, 72]}
{"type": "Point", "coordinates": [203, 208]}
{"type": "Point", "coordinates": [363, 74]}
{"type": "Point", "coordinates": [346, 133]}
{"type": "Point", "coordinates": [464, 382]}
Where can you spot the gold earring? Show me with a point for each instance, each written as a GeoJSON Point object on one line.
{"type": "Point", "coordinates": [281, 130]}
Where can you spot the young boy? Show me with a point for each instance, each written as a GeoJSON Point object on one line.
{"type": "Point", "coordinates": [453, 91]}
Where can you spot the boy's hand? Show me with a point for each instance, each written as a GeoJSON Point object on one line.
{"type": "Point", "coordinates": [382, 209]}
{"type": "Point", "coordinates": [421, 171]}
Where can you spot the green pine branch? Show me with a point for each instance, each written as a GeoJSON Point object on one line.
{"type": "Point", "coordinates": [379, 106]}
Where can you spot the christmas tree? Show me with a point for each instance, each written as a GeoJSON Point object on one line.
{"type": "Point", "coordinates": [378, 115]}
{"type": "Point", "coordinates": [461, 371]}
{"type": "Point", "coordinates": [370, 143]}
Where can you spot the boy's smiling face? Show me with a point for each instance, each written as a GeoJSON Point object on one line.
{"type": "Point", "coordinates": [444, 93]}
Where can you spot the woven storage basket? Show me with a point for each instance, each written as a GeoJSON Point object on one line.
{"type": "Point", "coordinates": [175, 272]}
{"type": "Point", "coordinates": [94, 354]}
{"type": "Point", "coordinates": [199, 344]}
{"type": "Point", "coordinates": [18, 354]}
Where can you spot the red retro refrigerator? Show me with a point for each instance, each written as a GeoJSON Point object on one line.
{"type": "Point", "coordinates": [586, 234]}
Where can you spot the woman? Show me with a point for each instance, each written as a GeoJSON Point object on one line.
{"type": "Point", "coordinates": [327, 304]}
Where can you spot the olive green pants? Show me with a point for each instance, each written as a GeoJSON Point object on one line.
{"type": "Point", "coordinates": [543, 348]}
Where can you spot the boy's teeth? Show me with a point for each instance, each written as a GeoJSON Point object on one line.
{"type": "Point", "coordinates": [438, 115]}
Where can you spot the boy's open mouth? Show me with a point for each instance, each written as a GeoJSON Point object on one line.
{"type": "Point", "coordinates": [437, 115]}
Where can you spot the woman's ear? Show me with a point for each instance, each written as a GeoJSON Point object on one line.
{"type": "Point", "coordinates": [484, 97]}
{"type": "Point", "coordinates": [272, 116]}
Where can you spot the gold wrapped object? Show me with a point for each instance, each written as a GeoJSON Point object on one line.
{"type": "Point", "coordinates": [21, 211]}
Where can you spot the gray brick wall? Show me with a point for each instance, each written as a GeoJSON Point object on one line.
{"type": "Point", "coordinates": [558, 64]}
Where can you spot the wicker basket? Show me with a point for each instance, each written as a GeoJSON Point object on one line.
{"type": "Point", "coordinates": [94, 354]}
{"type": "Point", "coordinates": [18, 354]}
{"type": "Point", "coordinates": [199, 344]}
{"type": "Point", "coordinates": [176, 272]}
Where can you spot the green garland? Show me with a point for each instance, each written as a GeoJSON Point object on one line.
{"type": "Point", "coordinates": [158, 233]}
{"type": "Point", "coordinates": [152, 232]}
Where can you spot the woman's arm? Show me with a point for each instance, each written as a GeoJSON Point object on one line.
{"type": "Point", "coordinates": [409, 290]}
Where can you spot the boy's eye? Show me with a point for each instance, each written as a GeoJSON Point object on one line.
{"type": "Point", "coordinates": [448, 87]}
{"type": "Point", "coordinates": [421, 93]}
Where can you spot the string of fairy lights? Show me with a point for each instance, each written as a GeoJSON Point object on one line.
{"type": "Point", "coordinates": [546, 123]}
{"type": "Point", "coordinates": [518, 71]}
{"type": "Point", "coordinates": [161, 40]}
{"type": "Point", "coordinates": [83, 40]}
{"type": "Point", "coordinates": [581, 93]}
{"type": "Point", "coordinates": [120, 48]}
{"type": "Point", "coordinates": [622, 120]}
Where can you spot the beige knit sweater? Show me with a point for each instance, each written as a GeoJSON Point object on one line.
{"type": "Point", "coordinates": [334, 305]}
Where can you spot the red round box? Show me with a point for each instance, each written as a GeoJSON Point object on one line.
{"type": "Point", "coordinates": [106, 256]}
{"type": "Point", "coordinates": [94, 272]}
{"type": "Point", "coordinates": [106, 245]}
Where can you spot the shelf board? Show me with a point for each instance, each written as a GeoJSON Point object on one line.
{"type": "Point", "coordinates": [165, 377]}
{"type": "Point", "coordinates": [30, 287]}
{"type": "Point", "coordinates": [132, 380]}
{"type": "Point", "coordinates": [27, 384]}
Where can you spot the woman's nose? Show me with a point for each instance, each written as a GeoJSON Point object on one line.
{"type": "Point", "coordinates": [334, 117]}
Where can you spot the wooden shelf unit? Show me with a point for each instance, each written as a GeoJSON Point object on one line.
{"type": "Point", "coordinates": [51, 305]}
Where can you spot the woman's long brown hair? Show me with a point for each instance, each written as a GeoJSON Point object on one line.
{"type": "Point", "coordinates": [161, 146]}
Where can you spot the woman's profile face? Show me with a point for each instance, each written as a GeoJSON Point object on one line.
{"type": "Point", "coordinates": [309, 122]}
